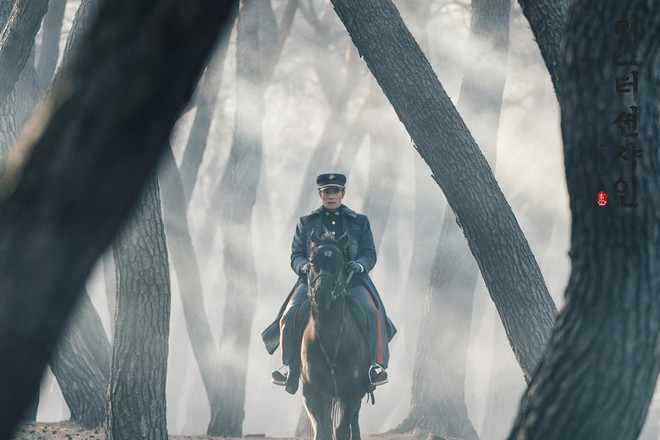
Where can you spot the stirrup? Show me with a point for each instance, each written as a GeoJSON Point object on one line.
{"type": "Point", "coordinates": [279, 377]}
{"type": "Point", "coordinates": [377, 375]}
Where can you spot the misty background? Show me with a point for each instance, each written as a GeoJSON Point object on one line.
{"type": "Point", "coordinates": [311, 68]}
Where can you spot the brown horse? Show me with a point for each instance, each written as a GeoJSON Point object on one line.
{"type": "Point", "coordinates": [335, 354]}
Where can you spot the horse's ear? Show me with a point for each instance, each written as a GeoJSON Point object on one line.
{"type": "Point", "coordinates": [314, 238]}
{"type": "Point", "coordinates": [343, 240]}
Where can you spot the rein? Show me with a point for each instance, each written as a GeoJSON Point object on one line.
{"type": "Point", "coordinates": [333, 296]}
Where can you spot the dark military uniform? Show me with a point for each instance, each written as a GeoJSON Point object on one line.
{"type": "Point", "coordinates": [361, 249]}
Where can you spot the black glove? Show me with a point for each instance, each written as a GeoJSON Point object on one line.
{"type": "Point", "coordinates": [354, 266]}
{"type": "Point", "coordinates": [304, 269]}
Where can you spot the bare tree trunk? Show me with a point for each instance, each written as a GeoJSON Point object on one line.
{"type": "Point", "coordinates": [445, 143]}
{"type": "Point", "coordinates": [81, 168]}
{"type": "Point", "coordinates": [17, 41]}
{"type": "Point", "coordinates": [598, 375]}
{"type": "Point", "coordinates": [136, 401]}
{"type": "Point", "coordinates": [428, 205]}
{"type": "Point", "coordinates": [81, 365]}
{"type": "Point", "coordinates": [238, 189]}
{"type": "Point", "coordinates": [185, 264]}
{"type": "Point", "coordinates": [82, 24]}
{"type": "Point", "coordinates": [17, 106]}
{"type": "Point", "coordinates": [272, 38]}
{"type": "Point", "coordinates": [196, 144]}
{"type": "Point", "coordinates": [547, 22]}
{"type": "Point", "coordinates": [50, 41]}
{"type": "Point", "coordinates": [206, 103]}
{"type": "Point", "coordinates": [438, 400]}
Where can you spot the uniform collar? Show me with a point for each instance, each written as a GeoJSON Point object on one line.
{"type": "Point", "coordinates": [345, 210]}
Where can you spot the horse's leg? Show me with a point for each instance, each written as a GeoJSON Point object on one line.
{"type": "Point", "coordinates": [348, 423]}
{"type": "Point", "coordinates": [319, 410]}
{"type": "Point", "coordinates": [355, 426]}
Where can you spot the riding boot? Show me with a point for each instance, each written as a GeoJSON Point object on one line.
{"type": "Point", "coordinates": [293, 379]}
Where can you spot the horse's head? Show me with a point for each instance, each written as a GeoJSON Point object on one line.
{"type": "Point", "coordinates": [326, 274]}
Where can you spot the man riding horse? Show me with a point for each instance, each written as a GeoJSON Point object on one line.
{"type": "Point", "coordinates": [360, 255]}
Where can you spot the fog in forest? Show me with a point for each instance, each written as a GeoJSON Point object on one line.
{"type": "Point", "coordinates": [529, 169]}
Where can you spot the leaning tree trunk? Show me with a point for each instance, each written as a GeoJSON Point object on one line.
{"type": "Point", "coordinates": [428, 207]}
{"type": "Point", "coordinates": [8, 130]}
{"type": "Point", "coordinates": [238, 189]}
{"type": "Point", "coordinates": [442, 139]}
{"type": "Point", "coordinates": [272, 37]}
{"type": "Point", "coordinates": [17, 41]}
{"type": "Point", "coordinates": [598, 375]}
{"type": "Point", "coordinates": [80, 169]}
{"type": "Point", "coordinates": [82, 24]}
{"type": "Point", "coordinates": [50, 41]}
{"type": "Point", "coordinates": [438, 399]}
{"type": "Point", "coordinates": [184, 261]}
{"type": "Point", "coordinates": [18, 105]}
{"type": "Point", "coordinates": [81, 365]}
{"type": "Point", "coordinates": [137, 402]}
{"type": "Point", "coordinates": [207, 97]}
{"type": "Point", "coordinates": [547, 20]}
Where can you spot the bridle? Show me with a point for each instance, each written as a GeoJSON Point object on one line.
{"type": "Point", "coordinates": [338, 290]}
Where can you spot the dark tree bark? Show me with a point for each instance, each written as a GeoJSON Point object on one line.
{"type": "Point", "coordinates": [506, 383]}
{"type": "Point", "coordinates": [438, 399]}
{"type": "Point", "coordinates": [426, 232]}
{"type": "Point", "coordinates": [82, 23]}
{"type": "Point", "coordinates": [442, 139]}
{"type": "Point", "coordinates": [8, 130]}
{"type": "Point", "coordinates": [90, 149]}
{"type": "Point", "coordinates": [81, 365]}
{"type": "Point", "coordinates": [51, 31]}
{"type": "Point", "coordinates": [84, 347]}
{"type": "Point", "coordinates": [17, 41]}
{"type": "Point", "coordinates": [238, 188]}
{"type": "Point", "coordinates": [136, 404]}
{"type": "Point", "coordinates": [18, 105]}
{"type": "Point", "coordinates": [547, 22]}
{"type": "Point", "coordinates": [598, 375]}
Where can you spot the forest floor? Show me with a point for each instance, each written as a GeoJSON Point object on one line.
{"type": "Point", "coordinates": [71, 431]}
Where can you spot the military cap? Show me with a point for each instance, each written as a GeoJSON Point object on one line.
{"type": "Point", "coordinates": [331, 180]}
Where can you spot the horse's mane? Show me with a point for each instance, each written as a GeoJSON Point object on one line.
{"type": "Point", "coordinates": [324, 239]}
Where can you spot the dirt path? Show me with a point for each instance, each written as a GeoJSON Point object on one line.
{"type": "Point", "coordinates": [71, 431]}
